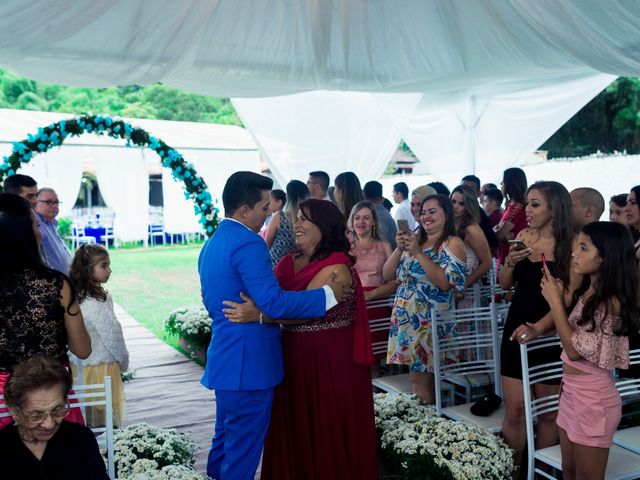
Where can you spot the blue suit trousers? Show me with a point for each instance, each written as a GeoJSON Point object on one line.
{"type": "Point", "coordinates": [242, 420]}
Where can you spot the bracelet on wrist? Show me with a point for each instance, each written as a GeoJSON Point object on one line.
{"type": "Point", "coordinates": [508, 262]}
{"type": "Point", "coordinates": [261, 317]}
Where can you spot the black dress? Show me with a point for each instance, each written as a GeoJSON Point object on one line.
{"type": "Point", "coordinates": [72, 454]}
{"type": "Point", "coordinates": [528, 306]}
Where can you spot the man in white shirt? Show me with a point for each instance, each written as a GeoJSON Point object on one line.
{"type": "Point", "coordinates": [403, 211]}
{"type": "Point", "coordinates": [318, 185]}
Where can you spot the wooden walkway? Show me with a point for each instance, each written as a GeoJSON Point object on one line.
{"type": "Point", "coordinates": [166, 391]}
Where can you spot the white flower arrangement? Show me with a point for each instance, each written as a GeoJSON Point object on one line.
{"type": "Point", "coordinates": [192, 323]}
{"type": "Point", "coordinates": [423, 445]}
{"type": "Point", "coordinates": [141, 447]}
{"type": "Point", "coordinates": [170, 472]}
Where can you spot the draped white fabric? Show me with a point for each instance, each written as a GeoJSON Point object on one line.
{"type": "Point", "coordinates": [461, 133]}
{"type": "Point", "coordinates": [330, 131]}
{"type": "Point", "coordinates": [124, 184]}
{"type": "Point", "coordinates": [273, 47]}
{"type": "Point", "coordinates": [178, 213]}
{"type": "Point", "coordinates": [58, 170]}
{"type": "Point", "coordinates": [216, 166]}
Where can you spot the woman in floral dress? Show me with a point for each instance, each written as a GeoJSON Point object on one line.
{"type": "Point", "coordinates": [429, 266]}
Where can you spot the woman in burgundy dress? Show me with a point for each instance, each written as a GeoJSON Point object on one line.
{"type": "Point", "coordinates": [322, 424]}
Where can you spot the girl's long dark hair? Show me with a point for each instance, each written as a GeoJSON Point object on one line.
{"type": "Point", "coordinates": [559, 200]}
{"type": "Point", "coordinates": [333, 228]}
{"type": "Point", "coordinates": [618, 278]}
{"type": "Point", "coordinates": [348, 184]}
{"type": "Point", "coordinates": [81, 271]}
{"type": "Point", "coordinates": [515, 184]}
{"type": "Point", "coordinates": [449, 222]}
{"type": "Point", "coordinates": [634, 231]}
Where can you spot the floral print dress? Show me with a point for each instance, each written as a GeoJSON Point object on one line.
{"type": "Point", "coordinates": [417, 299]}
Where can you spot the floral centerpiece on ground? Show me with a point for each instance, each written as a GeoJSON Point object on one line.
{"type": "Point", "coordinates": [420, 444]}
{"type": "Point", "coordinates": [193, 326]}
{"type": "Point", "coordinates": [142, 447]}
{"type": "Point", "coordinates": [148, 470]}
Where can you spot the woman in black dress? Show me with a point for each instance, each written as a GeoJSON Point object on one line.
{"type": "Point", "coordinates": [548, 213]}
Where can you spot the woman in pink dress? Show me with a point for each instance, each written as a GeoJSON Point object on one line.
{"type": "Point", "coordinates": [322, 424]}
{"type": "Point", "coordinates": [370, 252]}
{"type": "Point", "coordinates": [595, 341]}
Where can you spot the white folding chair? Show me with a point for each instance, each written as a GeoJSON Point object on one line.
{"type": "Point", "coordinates": [378, 325]}
{"type": "Point", "coordinates": [468, 357]}
{"type": "Point", "coordinates": [79, 238]}
{"type": "Point", "coordinates": [156, 231]}
{"type": "Point", "coordinates": [622, 465]}
{"type": "Point", "coordinates": [98, 394]}
{"type": "Point", "coordinates": [629, 388]}
{"type": "Point", "coordinates": [108, 235]}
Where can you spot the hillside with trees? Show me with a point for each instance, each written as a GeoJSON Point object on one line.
{"type": "Point", "coordinates": [610, 122]}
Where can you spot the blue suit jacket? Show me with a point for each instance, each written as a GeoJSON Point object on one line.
{"type": "Point", "coordinates": [246, 356]}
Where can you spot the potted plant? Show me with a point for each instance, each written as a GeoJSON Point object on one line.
{"type": "Point", "coordinates": [142, 447]}
{"type": "Point", "coordinates": [417, 443]}
{"type": "Point", "coordinates": [193, 327]}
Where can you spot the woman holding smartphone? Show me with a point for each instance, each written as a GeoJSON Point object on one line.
{"type": "Point", "coordinates": [429, 266]}
{"type": "Point", "coordinates": [549, 234]}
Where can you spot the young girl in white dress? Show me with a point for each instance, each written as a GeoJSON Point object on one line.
{"type": "Point", "coordinates": [90, 269]}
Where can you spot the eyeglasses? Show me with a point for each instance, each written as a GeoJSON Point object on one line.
{"type": "Point", "coordinates": [50, 203]}
{"type": "Point", "coordinates": [38, 417]}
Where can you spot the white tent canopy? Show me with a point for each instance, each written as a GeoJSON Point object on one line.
{"type": "Point", "coordinates": [122, 173]}
{"type": "Point", "coordinates": [456, 74]}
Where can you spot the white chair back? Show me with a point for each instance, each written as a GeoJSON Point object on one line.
{"type": "Point", "coordinates": [380, 324]}
{"type": "Point", "coordinates": [465, 343]}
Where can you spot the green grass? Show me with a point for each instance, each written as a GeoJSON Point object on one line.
{"type": "Point", "coordinates": [150, 282]}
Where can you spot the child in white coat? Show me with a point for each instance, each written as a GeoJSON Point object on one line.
{"type": "Point", "coordinates": [90, 269]}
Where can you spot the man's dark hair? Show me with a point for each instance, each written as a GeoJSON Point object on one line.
{"type": "Point", "coordinates": [322, 177]}
{"type": "Point", "coordinates": [244, 188]}
{"type": "Point", "coordinates": [495, 195]}
{"type": "Point", "coordinates": [14, 183]}
{"type": "Point", "coordinates": [402, 188]}
{"type": "Point", "coordinates": [372, 190]}
{"type": "Point", "coordinates": [279, 196]}
{"type": "Point", "coordinates": [474, 179]}
{"type": "Point", "coordinates": [440, 188]}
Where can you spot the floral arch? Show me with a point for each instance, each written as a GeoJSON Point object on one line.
{"type": "Point", "coordinates": [55, 134]}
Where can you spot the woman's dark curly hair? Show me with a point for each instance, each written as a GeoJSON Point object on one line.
{"type": "Point", "coordinates": [617, 280]}
{"type": "Point", "coordinates": [81, 272]}
{"type": "Point", "coordinates": [333, 228]}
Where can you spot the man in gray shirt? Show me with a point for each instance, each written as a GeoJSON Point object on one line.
{"type": "Point", "coordinates": [373, 192]}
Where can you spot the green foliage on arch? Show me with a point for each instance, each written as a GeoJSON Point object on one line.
{"type": "Point", "coordinates": [55, 134]}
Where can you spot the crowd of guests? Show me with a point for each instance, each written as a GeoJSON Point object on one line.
{"type": "Point", "coordinates": [52, 303]}
{"type": "Point", "coordinates": [439, 245]}
{"type": "Point", "coordinates": [290, 357]}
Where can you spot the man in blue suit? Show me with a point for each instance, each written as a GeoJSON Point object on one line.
{"type": "Point", "coordinates": [244, 360]}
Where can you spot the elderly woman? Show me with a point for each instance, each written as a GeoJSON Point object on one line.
{"type": "Point", "coordinates": [39, 314]}
{"type": "Point", "coordinates": [40, 443]}
{"type": "Point", "coordinates": [322, 424]}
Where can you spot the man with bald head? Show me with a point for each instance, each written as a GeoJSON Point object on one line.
{"type": "Point", "coordinates": [587, 205]}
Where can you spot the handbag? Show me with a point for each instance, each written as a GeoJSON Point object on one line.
{"type": "Point", "coordinates": [488, 404]}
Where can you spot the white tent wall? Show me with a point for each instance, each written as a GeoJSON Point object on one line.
{"type": "Point", "coordinates": [607, 174]}
{"type": "Point", "coordinates": [178, 212]}
{"type": "Point", "coordinates": [216, 166]}
{"type": "Point", "coordinates": [55, 169]}
{"type": "Point", "coordinates": [330, 131]}
{"type": "Point", "coordinates": [124, 184]}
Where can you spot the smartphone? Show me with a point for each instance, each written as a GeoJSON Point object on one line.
{"type": "Point", "coordinates": [552, 270]}
{"type": "Point", "coordinates": [519, 244]}
{"type": "Point", "coordinates": [403, 225]}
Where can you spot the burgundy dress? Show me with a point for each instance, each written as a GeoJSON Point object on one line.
{"type": "Point", "coordinates": [322, 424]}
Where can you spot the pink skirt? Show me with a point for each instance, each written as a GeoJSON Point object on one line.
{"type": "Point", "coordinates": [590, 409]}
